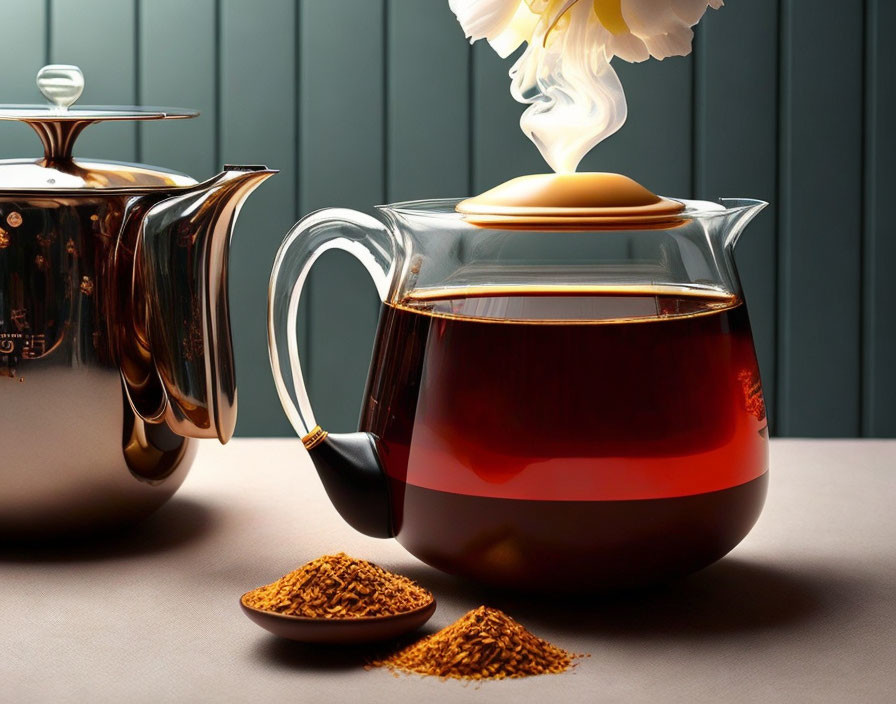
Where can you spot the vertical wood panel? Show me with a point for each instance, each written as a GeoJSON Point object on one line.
{"type": "Point", "coordinates": [428, 88]}
{"type": "Point", "coordinates": [879, 372]}
{"type": "Point", "coordinates": [98, 36]}
{"type": "Point", "coordinates": [500, 149]}
{"type": "Point", "coordinates": [378, 111]}
{"type": "Point", "coordinates": [177, 68]}
{"type": "Point", "coordinates": [654, 144]}
{"type": "Point", "coordinates": [820, 223]}
{"type": "Point", "coordinates": [342, 163]}
{"type": "Point", "coordinates": [736, 155]}
{"type": "Point", "coordinates": [21, 58]}
{"type": "Point", "coordinates": [258, 126]}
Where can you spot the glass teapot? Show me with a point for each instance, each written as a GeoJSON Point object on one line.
{"type": "Point", "coordinates": [564, 391]}
{"type": "Point", "coordinates": [115, 342]}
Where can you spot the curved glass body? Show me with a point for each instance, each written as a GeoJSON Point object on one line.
{"type": "Point", "coordinates": [550, 407]}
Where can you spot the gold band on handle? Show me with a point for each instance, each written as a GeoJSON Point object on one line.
{"type": "Point", "coordinates": [314, 438]}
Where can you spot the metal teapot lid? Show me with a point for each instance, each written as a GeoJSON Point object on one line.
{"type": "Point", "coordinates": [58, 125]}
{"type": "Point", "coordinates": [571, 201]}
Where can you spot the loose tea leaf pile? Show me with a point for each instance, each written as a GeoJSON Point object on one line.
{"type": "Point", "coordinates": [483, 644]}
{"type": "Point", "coordinates": [339, 587]}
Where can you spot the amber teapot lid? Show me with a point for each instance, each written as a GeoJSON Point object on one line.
{"type": "Point", "coordinates": [58, 124]}
{"type": "Point", "coordinates": [570, 200]}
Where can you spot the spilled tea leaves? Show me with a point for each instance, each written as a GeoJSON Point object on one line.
{"type": "Point", "coordinates": [483, 644]}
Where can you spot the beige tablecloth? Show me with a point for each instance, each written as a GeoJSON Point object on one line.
{"type": "Point", "coordinates": [803, 610]}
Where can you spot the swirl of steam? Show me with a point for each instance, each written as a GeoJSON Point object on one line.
{"type": "Point", "coordinates": [575, 97]}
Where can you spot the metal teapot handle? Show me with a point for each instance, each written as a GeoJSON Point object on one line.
{"type": "Point", "coordinates": [348, 464]}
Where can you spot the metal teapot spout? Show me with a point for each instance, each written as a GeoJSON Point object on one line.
{"type": "Point", "coordinates": [181, 266]}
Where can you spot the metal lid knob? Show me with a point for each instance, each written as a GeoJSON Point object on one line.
{"type": "Point", "coordinates": [59, 123]}
{"type": "Point", "coordinates": [61, 84]}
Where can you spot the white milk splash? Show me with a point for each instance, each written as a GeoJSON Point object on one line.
{"type": "Point", "coordinates": [574, 95]}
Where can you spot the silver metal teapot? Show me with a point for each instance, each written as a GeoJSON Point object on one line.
{"type": "Point", "coordinates": [115, 346]}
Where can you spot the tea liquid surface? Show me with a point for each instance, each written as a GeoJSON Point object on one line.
{"type": "Point", "coordinates": [526, 432]}
{"type": "Point", "coordinates": [559, 395]}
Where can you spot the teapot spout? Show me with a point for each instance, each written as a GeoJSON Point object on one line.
{"type": "Point", "coordinates": [738, 213]}
{"type": "Point", "coordinates": [182, 262]}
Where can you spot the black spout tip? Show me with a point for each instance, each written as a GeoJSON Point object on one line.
{"type": "Point", "coordinates": [350, 469]}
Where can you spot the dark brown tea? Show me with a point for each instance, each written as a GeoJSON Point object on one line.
{"type": "Point", "coordinates": [614, 434]}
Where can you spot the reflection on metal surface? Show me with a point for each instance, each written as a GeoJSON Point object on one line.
{"type": "Point", "coordinates": [58, 138]}
{"type": "Point", "coordinates": [115, 341]}
{"type": "Point", "coordinates": [80, 311]}
{"type": "Point", "coordinates": [183, 262]}
{"type": "Point", "coordinates": [19, 318]}
{"type": "Point", "coordinates": [36, 177]}
{"type": "Point", "coordinates": [74, 320]}
{"type": "Point", "coordinates": [68, 463]}
{"type": "Point", "coordinates": [152, 452]}
{"type": "Point", "coordinates": [35, 346]}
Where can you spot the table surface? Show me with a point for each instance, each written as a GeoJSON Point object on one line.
{"type": "Point", "coordinates": [803, 610]}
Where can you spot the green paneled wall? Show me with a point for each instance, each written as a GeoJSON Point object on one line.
{"type": "Point", "coordinates": [365, 101]}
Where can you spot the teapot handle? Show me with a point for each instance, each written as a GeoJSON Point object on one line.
{"type": "Point", "coordinates": [348, 464]}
